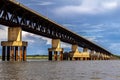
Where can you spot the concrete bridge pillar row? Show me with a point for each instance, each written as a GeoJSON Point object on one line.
{"type": "Point", "coordinates": [56, 48]}
{"type": "Point", "coordinates": [98, 56]}
{"type": "Point", "coordinates": [14, 49]}
{"type": "Point", "coordinates": [74, 55]}
{"type": "Point", "coordinates": [86, 55]}
{"type": "Point", "coordinates": [108, 57]}
{"type": "Point", "coordinates": [92, 54]}
{"type": "Point", "coordinates": [103, 56]}
{"type": "Point", "coordinates": [85, 49]}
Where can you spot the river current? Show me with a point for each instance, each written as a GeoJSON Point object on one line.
{"type": "Point", "coordinates": [60, 70]}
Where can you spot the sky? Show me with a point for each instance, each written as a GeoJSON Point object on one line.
{"type": "Point", "coordinates": [95, 20]}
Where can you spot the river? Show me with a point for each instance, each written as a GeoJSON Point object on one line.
{"type": "Point", "coordinates": [60, 70]}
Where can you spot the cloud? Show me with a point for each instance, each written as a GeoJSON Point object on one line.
{"type": "Point", "coordinates": [94, 38]}
{"type": "Point", "coordinates": [3, 33]}
{"type": "Point", "coordinates": [32, 37]}
{"type": "Point", "coordinates": [88, 7]}
{"type": "Point", "coordinates": [109, 5]}
{"type": "Point", "coordinates": [92, 28]}
{"type": "Point", "coordinates": [70, 25]}
{"type": "Point", "coordinates": [46, 3]}
{"type": "Point", "coordinates": [26, 35]}
{"type": "Point", "coordinates": [39, 3]}
{"type": "Point", "coordinates": [115, 48]}
{"type": "Point", "coordinates": [65, 45]}
{"type": "Point", "coordinates": [48, 40]}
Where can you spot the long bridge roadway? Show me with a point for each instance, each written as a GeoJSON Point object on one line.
{"type": "Point", "coordinates": [13, 14]}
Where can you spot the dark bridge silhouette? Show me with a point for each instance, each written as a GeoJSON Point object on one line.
{"type": "Point", "coordinates": [13, 14]}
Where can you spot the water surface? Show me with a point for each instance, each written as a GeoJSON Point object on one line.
{"type": "Point", "coordinates": [60, 70]}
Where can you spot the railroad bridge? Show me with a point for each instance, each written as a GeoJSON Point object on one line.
{"type": "Point", "coordinates": [18, 17]}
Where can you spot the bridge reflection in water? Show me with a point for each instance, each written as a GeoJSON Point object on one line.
{"type": "Point", "coordinates": [18, 17]}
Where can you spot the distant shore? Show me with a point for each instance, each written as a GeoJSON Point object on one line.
{"type": "Point", "coordinates": [37, 56]}
{"type": "Point", "coordinates": [34, 57]}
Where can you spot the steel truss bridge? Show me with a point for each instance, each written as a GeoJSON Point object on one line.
{"type": "Point", "coordinates": [13, 14]}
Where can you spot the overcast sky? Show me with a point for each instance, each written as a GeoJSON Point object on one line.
{"type": "Point", "coordinates": [96, 20]}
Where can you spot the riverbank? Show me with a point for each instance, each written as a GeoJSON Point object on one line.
{"type": "Point", "coordinates": [37, 56]}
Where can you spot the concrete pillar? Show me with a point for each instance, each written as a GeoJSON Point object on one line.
{"type": "Point", "coordinates": [8, 53]}
{"type": "Point", "coordinates": [12, 53]}
{"type": "Point", "coordinates": [98, 55]}
{"type": "Point", "coordinates": [14, 41]}
{"type": "Point", "coordinates": [108, 57]}
{"type": "Point", "coordinates": [14, 34]}
{"type": "Point", "coordinates": [21, 54]}
{"type": "Point", "coordinates": [111, 57]}
{"type": "Point", "coordinates": [61, 55]}
{"type": "Point", "coordinates": [3, 53]}
{"type": "Point", "coordinates": [65, 55]}
{"type": "Point", "coordinates": [92, 54]}
{"type": "Point", "coordinates": [85, 49]}
{"type": "Point", "coordinates": [75, 48]}
{"type": "Point", "coordinates": [16, 53]}
{"type": "Point", "coordinates": [56, 48]}
{"type": "Point", "coordinates": [55, 55]}
{"type": "Point", "coordinates": [81, 58]}
{"type": "Point", "coordinates": [24, 53]}
{"type": "Point", "coordinates": [86, 58]}
{"type": "Point", "coordinates": [50, 55]}
{"type": "Point", "coordinates": [74, 55]}
{"type": "Point", "coordinates": [70, 58]}
{"type": "Point", "coordinates": [102, 56]}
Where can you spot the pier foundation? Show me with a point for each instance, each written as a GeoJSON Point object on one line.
{"type": "Point", "coordinates": [76, 55]}
{"type": "Point", "coordinates": [14, 49]}
{"type": "Point", "coordinates": [56, 49]}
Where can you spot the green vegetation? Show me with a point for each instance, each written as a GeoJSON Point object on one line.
{"type": "Point", "coordinates": [118, 56]}
{"type": "Point", "coordinates": [34, 57]}
{"type": "Point", "coordinates": [37, 56]}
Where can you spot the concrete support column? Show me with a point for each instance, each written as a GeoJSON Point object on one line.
{"type": "Point", "coordinates": [79, 55]}
{"type": "Point", "coordinates": [74, 55]}
{"type": "Point", "coordinates": [24, 53]}
{"type": "Point", "coordinates": [108, 57]}
{"type": "Point", "coordinates": [85, 49]}
{"type": "Point", "coordinates": [75, 48]}
{"type": "Point", "coordinates": [3, 53]}
{"type": "Point", "coordinates": [98, 55]}
{"type": "Point", "coordinates": [111, 57]}
{"type": "Point", "coordinates": [16, 53]}
{"type": "Point", "coordinates": [81, 58]}
{"type": "Point", "coordinates": [104, 56]}
{"type": "Point", "coordinates": [50, 55]}
{"type": "Point", "coordinates": [15, 41]}
{"type": "Point", "coordinates": [61, 55]}
{"type": "Point", "coordinates": [92, 54]}
{"type": "Point", "coordinates": [56, 48]}
{"type": "Point", "coordinates": [12, 53]}
{"type": "Point", "coordinates": [8, 53]}
{"type": "Point", "coordinates": [21, 53]}
{"type": "Point", "coordinates": [55, 55]}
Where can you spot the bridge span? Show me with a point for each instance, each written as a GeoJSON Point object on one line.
{"type": "Point", "coordinates": [18, 17]}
